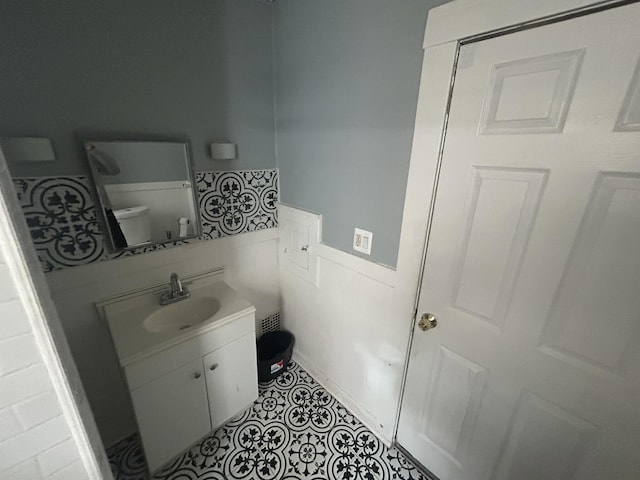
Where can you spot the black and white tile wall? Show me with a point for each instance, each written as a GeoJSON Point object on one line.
{"type": "Point", "coordinates": [237, 202]}
{"type": "Point", "coordinates": [62, 216]}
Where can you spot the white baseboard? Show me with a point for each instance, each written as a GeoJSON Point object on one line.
{"type": "Point", "coordinates": [345, 399]}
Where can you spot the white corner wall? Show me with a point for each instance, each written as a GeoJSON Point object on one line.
{"type": "Point", "coordinates": [42, 433]}
{"type": "Point", "coordinates": [35, 439]}
{"type": "Point", "coordinates": [347, 334]}
{"type": "Point", "coordinates": [251, 267]}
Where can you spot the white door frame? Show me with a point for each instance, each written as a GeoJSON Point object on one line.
{"type": "Point", "coordinates": [449, 26]}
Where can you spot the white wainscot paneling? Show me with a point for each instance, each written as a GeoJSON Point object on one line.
{"type": "Point", "coordinates": [250, 262]}
{"type": "Point", "coordinates": [347, 335]}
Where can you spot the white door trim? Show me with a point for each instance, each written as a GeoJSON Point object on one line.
{"type": "Point", "coordinates": [447, 26]}
{"type": "Point", "coordinates": [462, 19]}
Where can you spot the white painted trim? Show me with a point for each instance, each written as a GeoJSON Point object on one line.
{"type": "Point", "coordinates": [32, 288]}
{"type": "Point", "coordinates": [344, 398]}
{"type": "Point", "coordinates": [467, 18]}
{"type": "Point", "coordinates": [430, 115]}
{"type": "Point", "coordinates": [377, 271]}
{"type": "Point", "coordinates": [365, 267]}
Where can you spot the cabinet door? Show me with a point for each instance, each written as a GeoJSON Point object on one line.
{"type": "Point", "coordinates": [232, 379]}
{"type": "Point", "coordinates": [172, 412]}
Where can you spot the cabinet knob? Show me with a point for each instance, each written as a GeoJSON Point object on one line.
{"type": "Point", "coordinates": [213, 367]}
{"type": "Point", "coordinates": [197, 375]}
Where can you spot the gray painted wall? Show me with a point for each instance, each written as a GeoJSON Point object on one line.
{"type": "Point", "coordinates": [141, 162]}
{"type": "Point", "coordinates": [347, 76]}
{"type": "Point", "coordinates": [143, 69]}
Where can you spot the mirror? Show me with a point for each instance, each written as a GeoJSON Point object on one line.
{"type": "Point", "coordinates": [145, 191]}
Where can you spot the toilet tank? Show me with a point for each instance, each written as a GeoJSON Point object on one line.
{"type": "Point", "coordinates": [135, 224]}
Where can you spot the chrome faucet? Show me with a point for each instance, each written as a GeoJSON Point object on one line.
{"type": "Point", "coordinates": [176, 291]}
{"type": "Point", "coordinates": [176, 284]}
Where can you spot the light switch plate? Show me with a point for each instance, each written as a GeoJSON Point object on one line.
{"type": "Point", "coordinates": [362, 241]}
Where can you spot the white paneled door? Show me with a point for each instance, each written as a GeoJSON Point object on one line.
{"type": "Point", "coordinates": [533, 262]}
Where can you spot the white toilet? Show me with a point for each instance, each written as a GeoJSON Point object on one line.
{"type": "Point", "coordinates": [135, 224]}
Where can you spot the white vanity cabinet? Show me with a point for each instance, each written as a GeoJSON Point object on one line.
{"type": "Point", "coordinates": [190, 366]}
{"type": "Point", "coordinates": [231, 378]}
{"type": "Point", "coordinates": [179, 399]}
{"type": "Point", "coordinates": [184, 391]}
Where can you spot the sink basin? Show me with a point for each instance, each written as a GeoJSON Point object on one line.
{"type": "Point", "coordinates": [181, 315]}
{"type": "Point", "coordinates": [140, 327]}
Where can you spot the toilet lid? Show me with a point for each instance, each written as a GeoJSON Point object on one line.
{"type": "Point", "coordinates": [130, 212]}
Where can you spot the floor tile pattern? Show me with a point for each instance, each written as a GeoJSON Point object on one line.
{"type": "Point", "coordinates": [127, 460]}
{"type": "Point", "coordinates": [295, 430]}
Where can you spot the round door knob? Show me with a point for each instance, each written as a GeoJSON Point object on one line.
{"type": "Point", "coordinates": [213, 367]}
{"type": "Point", "coordinates": [428, 321]}
{"type": "Point", "coordinates": [197, 375]}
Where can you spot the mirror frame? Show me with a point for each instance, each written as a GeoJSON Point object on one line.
{"type": "Point", "coordinates": [96, 183]}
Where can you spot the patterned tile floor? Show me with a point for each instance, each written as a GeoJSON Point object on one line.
{"type": "Point", "coordinates": [295, 430]}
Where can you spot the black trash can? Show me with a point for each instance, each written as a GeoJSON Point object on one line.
{"type": "Point", "coordinates": [274, 354]}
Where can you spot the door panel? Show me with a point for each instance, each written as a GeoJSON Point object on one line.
{"type": "Point", "coordinates": [533, 262]}
{"type": "Point", "coordinates": [500, 213]}
{"type": "Point", "coordinates": [629, 119]}
{"type": "Point", "coordinates": [529, 455]}
{"type": "Point", "coordinates": [452, 403]}
{"type": "Point", "coordinates": [181, 418]}
{"type": "Point", "coordinates": [531, 95]}
{"type": "Point", "coordinates": [594, 319]}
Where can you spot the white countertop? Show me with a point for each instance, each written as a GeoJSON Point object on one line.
{"type": "Point", "coordinates": [133, 342]}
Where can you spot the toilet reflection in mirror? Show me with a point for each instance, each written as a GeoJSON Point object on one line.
{"type": "Point", "coordinates": [145, 191]}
